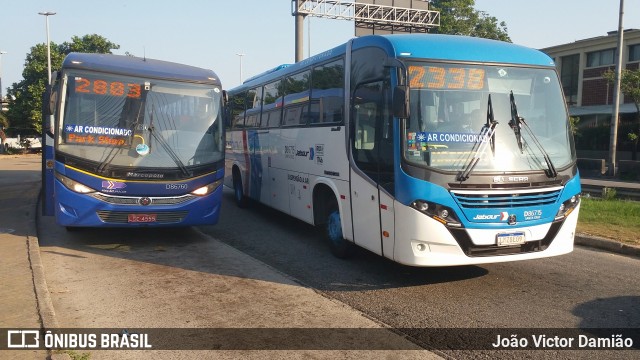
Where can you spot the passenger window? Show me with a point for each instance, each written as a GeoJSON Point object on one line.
{"type": "Point", "coordinates": [272, 107]}
{"type": "Point", "coordinates": [296, 100]}
{"type": "Point", "coordinates": [327, 96]}
{"type": "Point", "coordinates": [254, 106]}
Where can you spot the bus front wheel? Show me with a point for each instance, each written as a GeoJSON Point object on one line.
{"type": "Point", "coordinates": [238, 193]}
{"type": "Point", "coordinates": [340, 247]}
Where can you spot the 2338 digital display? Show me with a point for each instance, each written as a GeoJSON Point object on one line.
{"type": "Point", "coordinates": [446, 78]}
{"type": "Point", "coordinates": [111, 88]}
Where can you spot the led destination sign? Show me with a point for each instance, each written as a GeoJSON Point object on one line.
{"type": "Point", "coordinates": [452, 78]}
{"type": "Point", "coordinates": [112, 88]}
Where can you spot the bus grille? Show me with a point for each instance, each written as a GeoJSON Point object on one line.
{"type": "Point", "coordinates": [134, 200]}
{"type": "Point", "coordinates": [505, 199]}
{"type": "Point", "coordinates": [122, 217]}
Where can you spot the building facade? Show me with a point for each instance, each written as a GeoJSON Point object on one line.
{"type": "Point", "coordinates": [589, 96]}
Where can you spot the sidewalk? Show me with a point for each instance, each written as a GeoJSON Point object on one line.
{"type": "Point", "coordinates": [21, 275]}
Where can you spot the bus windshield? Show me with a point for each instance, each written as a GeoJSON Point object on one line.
{"type": "Point", "coordinates": [134, 122]}
{"type": "Point", "coordinates": [449, 106]}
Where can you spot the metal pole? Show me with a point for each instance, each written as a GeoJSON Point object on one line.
{"type": "Point", "coordinates": [46, 15]}
{"type": "Point", "coordinates": [309, 37]}
{"type": "Point", "coordinates": [1, 53]}
{"type": "Point", "coordinates": [299, 32]}
{"type": "Point", "coordinates": [240, 55]}
{"type": "Point", "coordinates": [47, 140]}
{"type": "Point", "coordinates": [613, 139]}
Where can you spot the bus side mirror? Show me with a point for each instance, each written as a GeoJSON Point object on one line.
{"type": "Point", "coordinates": [401, 102]}
{"type": "Point", "coordinates": [49, 99]}
{"type": "Point", "coordinates": [46, 102]}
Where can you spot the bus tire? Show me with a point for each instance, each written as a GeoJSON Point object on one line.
{"type": "Point", "coordinates": [339, 247]}
{"type": "Point", "coordinates": [238, 191]}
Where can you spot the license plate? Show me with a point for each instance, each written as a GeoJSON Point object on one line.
{"type": "Point", "coordinates": [141, 218]}
{"type": "Point", "coordinates": [508, 239]}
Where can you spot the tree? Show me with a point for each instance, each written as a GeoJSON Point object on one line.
{"type": "Point", "coordinates": [630, 87]}
{"type": "Point", "coordinates": [458, 17]}
{"type": "Point", "coordinates": [25, 97]}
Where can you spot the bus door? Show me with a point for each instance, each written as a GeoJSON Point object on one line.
{"type": "Point", "coordinates": [372, 151]}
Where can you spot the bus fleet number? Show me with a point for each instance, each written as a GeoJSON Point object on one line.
{"type": "Point", "coordinates": [102, 87]}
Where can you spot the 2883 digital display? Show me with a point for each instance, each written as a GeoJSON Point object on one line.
{"type": "Point", "coordinates": [104, 87]}
{"type": "Point", "coordinates": [446, 78]}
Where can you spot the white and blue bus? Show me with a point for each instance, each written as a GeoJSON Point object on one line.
{"type": "Point", "coordinates": [132, 142]}
{"type": "Point", "coordinates": [429, 150]}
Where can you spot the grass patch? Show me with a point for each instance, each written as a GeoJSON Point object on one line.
{"type": "Point", "coordinates": [612, 218]}
{"type": "Point", "coordinates": [74, 355]}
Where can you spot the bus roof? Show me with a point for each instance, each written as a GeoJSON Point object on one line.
{"type": "Point", "coordinates": [423, 46]}
{"type": "Point", "coordinates": [144, 67]}
{"type": "Point", "coordinates": [463, 48]}
{"type": "Point", "coordinates": [265, 73]}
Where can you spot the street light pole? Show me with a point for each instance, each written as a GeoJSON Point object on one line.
{"type": "Point", "coordinates": [47, 138]}
{"type": "Point", "coordinates": [613, 138]}
{"type": "Point", "coordinates": [1, 53]}
{"type": "Point", "coordinates": [46, 15]}
{"type": "Point", "coordinates": [240, 55]}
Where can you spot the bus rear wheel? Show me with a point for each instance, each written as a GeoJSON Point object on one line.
{"type": "Point", "coordinates": [238, 192]}
{"type": "Point", "coordinates": [340, 247]}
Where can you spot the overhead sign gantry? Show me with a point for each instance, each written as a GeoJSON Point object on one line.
{"type": "Point", "coordinates": [388, 16]}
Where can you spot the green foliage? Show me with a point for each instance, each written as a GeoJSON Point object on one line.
{"type": "Point", "coordinates": [4, 121]}
{"type": "Point", "coordinates": [88, 44]}
{"type": "Point", "coordinates": [609, 193]}
{"type": "Point", "coordinates": [630, 87]}
{"type": "Point", "coordinates": [25, 97]}
{"type": "Point", "coordinates": [573, 123]}
{"type": "Point", "coordinates": [458, 17]}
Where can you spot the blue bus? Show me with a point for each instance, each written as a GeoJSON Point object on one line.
{"type": "Point", "coordinates": [132, 142]}
{"type": "Point", "coordinates": [429, 150]}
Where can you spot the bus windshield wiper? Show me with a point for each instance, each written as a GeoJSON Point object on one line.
{"type": "Point", "coordinates": [167, 147]}
{"type": "Point", "coordinates": [112, 151]}
{"type": "Point", "coordinates": [517, 123]}
{"type": "Point", "coordinates": [487, 136]}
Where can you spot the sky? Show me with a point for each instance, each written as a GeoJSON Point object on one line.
{"type": "Point", "coordinates": [211, 33]}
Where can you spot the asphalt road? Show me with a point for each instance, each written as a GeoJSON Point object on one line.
{"type": "Point", "coordinates": [584, 289]}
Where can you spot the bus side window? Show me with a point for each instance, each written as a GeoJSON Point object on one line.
{"type": "Point", "coordinates": [254, 106]}
{"type": "Point", "coordinates": [327, 96]}
{"type": "Point", "coordinates": [296, 99]}
{"type": "Point", "coordinates": [272, 104]}
{"type": "Point", "coordinates": [236, 103]}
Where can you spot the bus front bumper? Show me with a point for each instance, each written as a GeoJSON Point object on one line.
{"type": "Point", "coordinates": [81, 210]}
{"type": "Point", "coordinates": [429, 243]}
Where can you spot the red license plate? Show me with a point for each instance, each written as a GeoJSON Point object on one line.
{"type": "Point", "coordinates": [142, 218]}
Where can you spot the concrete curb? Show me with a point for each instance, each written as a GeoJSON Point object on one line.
{"type": "Point", "coordinates": [45, 305]}
{"type": "Point", "coordinates": [46, 311]}
{"type": "Point", "coordinates": [607, 245]}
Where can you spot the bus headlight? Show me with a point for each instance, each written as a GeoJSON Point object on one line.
{"type": "Point", "coordinates": [567, 207]}
{"type": "Point", "coordinates": [207, 189]}
{"type": "Point", "coordinates": [74, 185]}
{"type": "Point", "coordinates": [440, 213]}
